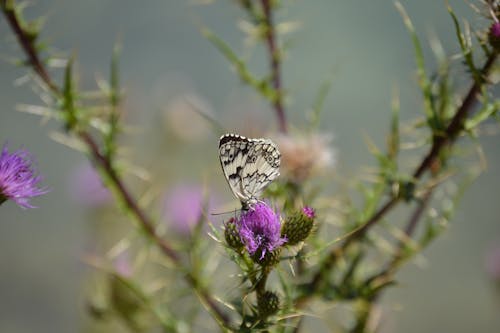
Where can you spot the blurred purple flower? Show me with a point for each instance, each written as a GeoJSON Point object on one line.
{"type": "Point", "coordinates": [183, 207]}
{"type": "Point", "coordinates": [260, 229]}
{"type": "Point", "coordinates": [492, 263]}
{"type": "Point", "coordinates": [86, 187]}
{"type": "Point", "coordinates": [18, 178]}
{"type": "Point", "coordinates": [122, 264]}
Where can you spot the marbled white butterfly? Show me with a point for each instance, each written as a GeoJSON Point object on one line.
{"type": "Point", "coordinates": [249, 165]}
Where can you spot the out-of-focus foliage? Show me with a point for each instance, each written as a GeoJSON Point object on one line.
{"type": "Point", "coordinates": [266, 268]}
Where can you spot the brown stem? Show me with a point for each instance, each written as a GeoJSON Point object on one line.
{"type": "Point", "coordinates": [27, 44]}
{"type": "Point", "coordinates": [440, 142]}
{"type": "Point", "coordinates": [275, 57]}
{"type": "Point", "coordinates": [411, 225]}
{"type": "Point", "coordinates": [452, 132]}
{"type": "Point", "coordinates": [457, 123]}
{"type": "Point", "coordinates": [126, 197]}
{"type": "Point", "coordinates": [106, 165]}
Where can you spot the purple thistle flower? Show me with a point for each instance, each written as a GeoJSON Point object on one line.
{"type": "Point", "coordinates": [18, 178]}
{"type": "Point", "coordinates": [260, 229]}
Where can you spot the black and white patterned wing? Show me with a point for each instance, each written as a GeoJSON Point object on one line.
{"type": "Point", "coordinates": [233, 153]}
{"type": "Point", "coordinates": [249, 165]}
{"type": "Point", "coordinates": [261, 168]}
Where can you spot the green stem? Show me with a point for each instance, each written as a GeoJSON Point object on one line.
{"type": "Point", "coordinates": [449, 137]}
{"type": "Point", "coordinates": [105, 164]}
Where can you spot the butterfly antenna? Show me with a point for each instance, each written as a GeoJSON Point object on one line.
{"type": "Point", "coordinates": [224, 213]}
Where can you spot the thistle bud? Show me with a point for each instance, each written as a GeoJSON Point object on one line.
{"type": "Point", "coordinates": [268, 303]}
{"type": "Point", "coordinates": [270, 259]}
{"type": "Point", "coordinates": [232, 235]}
{"type": "Point", "coordinates": [298, 226]}
{"type": "Point", "coordinates": [494, 35]}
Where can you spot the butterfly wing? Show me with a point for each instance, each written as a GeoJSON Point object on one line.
{"type": "Point", "coordinates": [249, 165]}
{"type": "Point", "coordinates": [261, 168]}
{"type": "Point", "coordinates": [233, 153]}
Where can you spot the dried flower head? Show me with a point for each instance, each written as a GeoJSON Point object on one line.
{"type": "Point", "coordinates": [303, 156]}
{"type": "Point", "coordinates": [259, 230]}
{"type": "Point", "coordinates": [18, 178]}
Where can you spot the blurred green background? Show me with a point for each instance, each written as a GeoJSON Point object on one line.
{"type": "Point", "coordinates": [164, 57]}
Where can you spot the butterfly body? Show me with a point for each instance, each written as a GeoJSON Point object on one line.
{"type": "Point", "coordinates": [249, 165]}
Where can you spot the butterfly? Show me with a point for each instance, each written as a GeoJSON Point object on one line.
{"type": "Point", "coordinates": [249, 165]}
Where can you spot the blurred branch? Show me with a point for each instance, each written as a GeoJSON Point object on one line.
{"type": "Point", "coordinates": [275, 63]}
{"type": "Point", "coordinates": [103, 161]}
{"type": "Point", "coordinates": [451, 133]}
{"type": "Point", "coordinates": [245, 75]}
{"type": "Point", "coordinates": [26, 40]}
{"type": "Point", "coordinates": [270, 87]}
{"type": "Point", "coordinates": [119, 282]}
{"type": "Point", "coordinates": [383, 277]}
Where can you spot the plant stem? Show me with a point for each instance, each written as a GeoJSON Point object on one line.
{"type": "Point", "coordinates": [456, 125]}
{"type": "Point", "coordinates": [439, 143]}
{"type": "Point", "coordinates": [411, 225]}
{"type": "Point", "coordinates": [107, 167]}
{"type": "Point", "coordinates": [26, 43]}
{"type": "Point", "coordinates": [275, 60]}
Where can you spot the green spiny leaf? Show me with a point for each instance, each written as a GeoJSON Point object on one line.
{"type": "Point", "coordinates": [260, 86]}
{"type": "Point", "coordinates": [68, 96]}
{"type": "Point", "coordinates": [393, 140]}
{"type": "Point", "coordinates": [423, 80]}
{"type": "Point", "coordinates": [488, 110]}
{"type": "Point", "coordinates": [114, 100]}
{"type": "Point", "coordinates": [319, 102]}
{"type": "Point", "coordinates": [466, 48]}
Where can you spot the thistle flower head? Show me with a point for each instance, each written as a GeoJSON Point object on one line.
{"type": "Point", "coordinates": [18, 178]}
{"type": "Point", "coordinates": [303, 156]}
{"type": "Point", "coordinates": [231, 234]}
{"type": "Point", "coordinates": [268, 303]}
{"type": "Point", "coordinates": [299, 225]}
{"type": "Point", "coordinates": [259, 230]}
